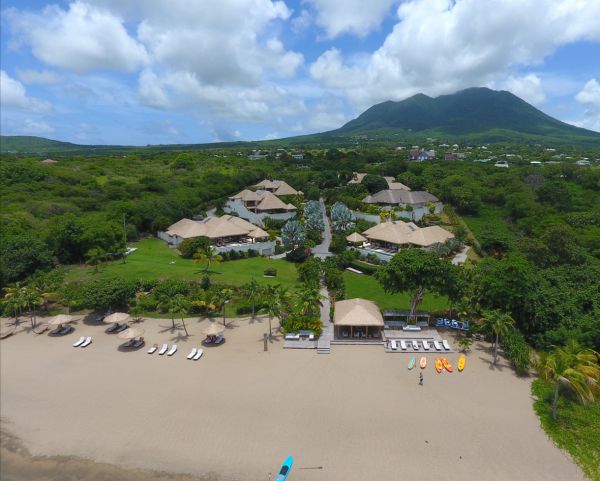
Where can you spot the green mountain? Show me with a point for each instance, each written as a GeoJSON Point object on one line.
{"type": "Point", "coordinates": [31, 144]}
{"type": "Point", "coordinates": [476, 113]}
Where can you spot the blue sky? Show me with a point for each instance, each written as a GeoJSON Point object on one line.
{"type": "Point", "coordinates": [139, 72]}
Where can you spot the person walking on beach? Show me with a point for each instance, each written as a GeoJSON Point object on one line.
{"type": "Point", "coordinates": [421, 378]}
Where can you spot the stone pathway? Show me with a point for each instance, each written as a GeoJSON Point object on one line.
{"type": "Point", "coordinates": [322, 250]}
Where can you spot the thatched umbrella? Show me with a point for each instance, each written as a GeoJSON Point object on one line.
{"type": "Point", "coordinates": [131, 333]}
{"type": "Point", "coordinates": [60, 319]}
{"type": "Point", "coordinates": [116, 318]}
{"type": "Point", "coordinates": [214, 329]}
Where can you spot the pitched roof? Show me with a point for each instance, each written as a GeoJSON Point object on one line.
{"type": "Point", "coordinates": [357, 177]}
{"type": "Point", "coordinates": [279, 187]}
{"type": "Point", "coordinates": [269, 201]}
{"type": "Point", "coordinates": [356, 237]}
{"type": "Point", "coordinates": [215, 228]}
{"type": "Point", "coordinates": [246, 195]}
{"type": "Point", "coordinates": [357, 312]}
{"type": "Point", "coordinates": [393, 185]}
{"type": "Point", "coordinates": [400, 196]}
{"type": "Point", "coordinates": [402, 233]}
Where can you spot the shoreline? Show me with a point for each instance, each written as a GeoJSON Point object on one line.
{"type": "Point", "coordinates": [239, 411]}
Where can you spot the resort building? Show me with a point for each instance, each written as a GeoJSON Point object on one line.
{"type": "Point", "coordinates": [255, 206]}
{"type": "Point", "coordinates": [277, 187]}
{"type": "Point", "coordinates": [357, 319]}
{"type": "Point", "coordinates": [227, 233]}
{"type": "Point", "coordinates": [357, 178]}
{"type": "Point", "coordinates": [413, 205]}
{"type": "Point", "coordinates": [386, 239]}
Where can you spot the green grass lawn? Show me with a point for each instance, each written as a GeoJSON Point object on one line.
{"type": "Point", "coordinates": [487, 216]}
{"type": "Point", "coordinates": [367, 287]}
{"type": "Point", "coordinates": [154, 260]}
{"type": "Point", "coordinates": [576, 429]}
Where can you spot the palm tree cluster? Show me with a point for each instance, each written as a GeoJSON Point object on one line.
{"type": "Point", "coordinates": [573, 369]}
{"type": "Point", "coordinates": [21, 298]}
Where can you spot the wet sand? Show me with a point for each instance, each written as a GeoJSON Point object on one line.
{"type": "Point", "coordinates": [238, 412]}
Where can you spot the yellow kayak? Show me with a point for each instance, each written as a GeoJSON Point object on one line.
{"type": "Point", "coordinates": [423, 362]}
{"type": "Point", "coordinates": [462, 360]}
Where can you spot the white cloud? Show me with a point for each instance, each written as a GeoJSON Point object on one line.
{"type": "Point", "coordinates": [440, 46]}
{"type": "Point", "coordinates": [14, 96]}
{"type": "Point", "coordinates": [350, 16]}
{"type": "Point", "coordinates": [80, 39]}
{"type": "Point", "coordinates": [529, 88]}
{"type": "Point", "coordinates": [302, 21]}
{"type": "Point", "coordinates": [589, 97]}
{"type": "Point", "coordinates": [39, 77]}
{"type": "Point", "coordinates": [31, 126]}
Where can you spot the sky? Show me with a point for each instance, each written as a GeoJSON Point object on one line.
{"type": "Point", "coordinates": [138, 72]}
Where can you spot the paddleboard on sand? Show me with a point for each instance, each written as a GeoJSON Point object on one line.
{"type": "Point", "coordinates": [447, 365]}
{"type": "Point", "coordinates": [286, 467]}
{"type": "Point", "coordinates": [423, 362]}
{"type": "Point", "coordinates": [438, 365]}
{"type": "Point", "coordinates": [462, 360]}
{"type": "Point", "coordinates": [411, 364]}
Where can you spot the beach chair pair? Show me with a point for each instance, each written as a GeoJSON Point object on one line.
{"type": "Point", "coordinates": [135, 343]}
{"type": "Point", "coordinates": [61, 331]}
{"type": "Point", "coordinates": [195, 354]}
{"type": "Point", "coordinates": [163, 349]}
{"type": "Point", "coordinates": [83, 341]}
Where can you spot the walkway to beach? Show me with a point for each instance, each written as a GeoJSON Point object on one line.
{"type": "Point", "coordinates": [322, 250]}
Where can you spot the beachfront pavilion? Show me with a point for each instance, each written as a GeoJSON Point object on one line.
{"type": "Point", "coordinates": [356, 239]}
{"type": "Point", "coordinates": [357, 319]}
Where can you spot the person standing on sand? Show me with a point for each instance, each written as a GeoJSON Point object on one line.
{"type": "Point", "coordinates": [421, 378]}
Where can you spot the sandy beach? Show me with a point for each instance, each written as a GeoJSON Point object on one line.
{"type": "Point", "coordinates": [357, 414]}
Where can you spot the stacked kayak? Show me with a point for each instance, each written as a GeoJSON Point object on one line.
{"type": "Point", "coordinates": [446, 364]}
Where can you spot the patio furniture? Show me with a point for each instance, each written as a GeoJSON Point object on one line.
{"type": "Point", "coordinates": [192, 353]}
{"type": "Point", "coordinates": [446, 345]}
{"type": "Point", "coordinates": [415, 345]}
{"type": "Point", "coordinates": [393, 343]}
{"type": "Point", "coordinates": [139, 343]}
{"type": "Point", "coordinates": [426, 345]}
{"type": "Point", "coordinates": [198, 355]}
{"type": "Point", "coordinates": [163, 349]}
{"type": "Point", "coordinates": [153, 349]}
{"type": "Point", "coordinates": [437, 346]}
{"type": "Point", "coordinates": [79, 342]}
{"type": "Point", "coordinates": [173, 350]}
{"type": "Point", "coordinates": [87, 342]}
{"type": "Point", "coordinates": [403, 344]}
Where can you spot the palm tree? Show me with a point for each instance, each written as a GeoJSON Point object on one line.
{"type": "Point", "coordinates": [221, 298]}
{"type": "Point", "coordinates": [32, 298]}
{"type": "Point", "coordinates": [207, 256]}
{"type": "Point", "coordinates": [181, 305]}
{"type": "Point", "coordinates": [499, 323]}
{"type": "Point", "coordinates": [14, 300]}
{"type": "Point", "coordinates": [95, 256]}
{"type": "Point", "coordinates": [273, 295]}
{"type": "Point", "coordinates": [574, 369]}
{"type": "Point", "coordinates": [308, 300]}
{"type": "Point", "coordinates": [253, 291]}
{"type": "Point", "coordinates": [465, 343]}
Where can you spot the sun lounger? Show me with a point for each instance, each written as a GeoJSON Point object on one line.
{"type": "Point", "coordinates": [112, 328]}
{"type": "Point", "coordinates": [192, 353]}
{"type": "Point", "coordinates": [426, 345]}
{"type": "Point", "coordinates": [446, 345]}
{"type": "Point", "coordinates": [163, 349]}
{"type": "Point", "coordinates": [198, 354]}
{"type": "Point", "coordinates": [66, 330]}
{"type": "Point", "coordinates": [437, 346]}
{"type": "Point", "coordinates": [139, 343]}
{"type": "Point", "coordinates": [454, 324]}
{"type": "Point", "coordinates": [79, 342]}
{"type": "Point", "coordinates": [173, 350]}
{"type": "Point", "coordinates": [403, 344]}
{"type": "Point", "coordinates": [439, 322]}
{"type": "Point", "coordinates": [87, 342]}
{"type": "Point", "coordinates": [394, 345]}
{"type": "Point", "coordinates": [311, 337]}
{"type": "Point", "coordinates": [153, 349]}
{"type": "Point", "coordinates": [415, 345]}
{"type": "Point", "coordinates": [220, 339]}
{"type": "Point", "coordinates": [447, 322]}
{"type": "Point", "coordinates": [121, 327]}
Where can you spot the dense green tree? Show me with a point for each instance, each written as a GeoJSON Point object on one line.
{"type": "Point", "coordinates": [374, 183]}
{"type": "Point", "coordinates": [21, 255]}
{"type": "Point", "coordinates": [105, 294]}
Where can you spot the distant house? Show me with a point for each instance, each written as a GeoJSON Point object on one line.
{"type": "Point", "coordinates": [49, 161]}
{"type": "Point", "coordinates": [227, 233]}
{"type": "Point", "coordinates": [277, 187]}
{"type": "Point", "coordinates": [298, 156]}
{"type": "Point", "coordinates": [417, 202]}
{"type": "Point", "coordinates": [262, 201]}
{"type": "Point", "coordinates": [357, 178]}
{"type": "Point", "coordinates": [421, 155]}
{"type": "Point", "coordinates": [257, 155]}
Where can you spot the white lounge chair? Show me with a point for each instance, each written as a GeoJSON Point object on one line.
{"type": "Point", "coordinates": [311, 337]}
{"type": "Point", "coordinates": [173, 350]}
{"type": "Point", "coordinates": [415, 345]}
{"type": "Point", "coordinates": [437, 346]}
{"type": "Point", "coordinates": [394, 345]}
{"type": "Point", "coordinates": [446, 345]}
{"type": "Point", "coordinates": [403, 344]}
{"type": "Point", "coordinates": [87, 342]}
{"type": "Point", "coordinates": [79, 341]}
{"type": "Point", "coordinates": [426, 345]}
{"type": "Point", "coordinates": [163, 349]}
{"type": "Point", "coordinates": [192, 353]}
{"type": "Point", "coordinates": [198, 354]}
{"type": "Point", "coordinates": [153, 349]}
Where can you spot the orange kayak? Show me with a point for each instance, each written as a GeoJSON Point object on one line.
{"type": "Point", "coordinates": [447, 365]}
{"type": "Point", "coordinates": [423, 362]}
{"type": "Point", "coordinates": [462, 360]}
{"type": "Point", "coordinates": [438, 365]}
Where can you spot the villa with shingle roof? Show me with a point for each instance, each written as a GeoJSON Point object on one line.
{"type": "Point", "coordinates": [227, 233]}
{"type": "Point", "coordinates": [277, 187]}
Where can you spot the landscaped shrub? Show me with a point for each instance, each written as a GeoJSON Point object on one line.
{"type": "Point", "coordinates": [297, 322]}
{"type": "Point", "coordinates": [364, 268]}
{"type": "Point", "coordinates": [189, 247]}
{"type": "Point", "coordinates": [271, 272]}
{"type": "Point", "coordinates": [298, 255]}
{"type": "Point", "coordinates": [279, 249]}
{"type": "Point", "coordinates": [516, 349]}
{"type": "Point", "coordinates": [338, 244]}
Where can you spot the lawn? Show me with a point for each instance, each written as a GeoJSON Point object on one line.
{"type": "Point", "coordinates": [576, 429]}
{"type": "Point", "coordinates": [362, 285]}
{"type": "Point", "coordinates": [154, 260]}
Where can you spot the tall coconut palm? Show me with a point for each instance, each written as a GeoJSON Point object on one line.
{"type": "Point", "coordinates": [574, 369]}
{"type": "Point", "coordinates": [220, 298]}
{"type": "Point", "coordinates": [181, 305]}
{"type": "Point", "coordinates": [253, 292]}
{"type": "Point", "coordinates": [14, 300]}
{"type": "Point", "coordinates": [274, 308]}
{"type": "Point", "coordinates": [499, 323]}
{"type": "Point", "coordinates": [32, 298]}
{"type": "Point", "coordinates": [308, 300]}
